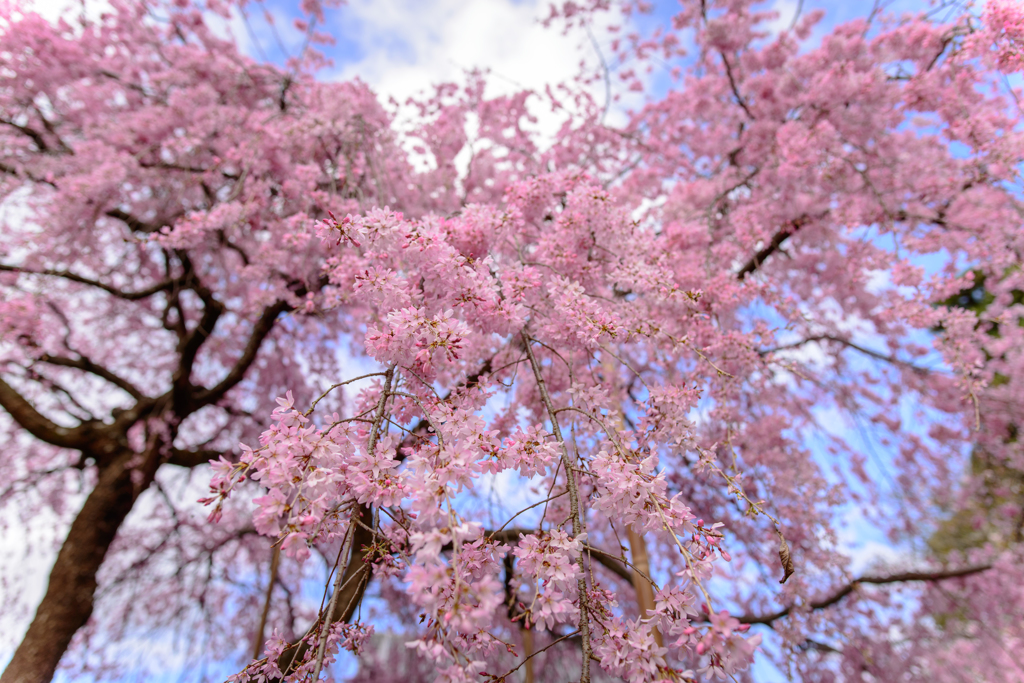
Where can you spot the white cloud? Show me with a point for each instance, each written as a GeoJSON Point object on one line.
{"type": "Point", "coordinates": [53, 10]}
{"type": "Point", "coordinates": [407, 46]}
{"type": "Point", "coordinates": [787, 10]}
{"type": "Point", "coordinates": [870, 552]}
{"type": "Point", "coordinates": [410, 44]}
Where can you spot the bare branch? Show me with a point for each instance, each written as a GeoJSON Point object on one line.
{"type": "Point", "coordinates": [189, 458]}
{"type": "Point", "coordinates": [905, 577]}
{"type": "Point", "coordinates": [275, 561]}
{"type": "Point", "coordinates": [70, 594]}
{"type": "Point", "coordinates": [135, 224]}
{"type": "Point", "coordinates": [86, 365]}
{"type": "Point", "coordinates": [110, 289]}
{"type": "Point", "coordinates": [31, 133]}
{"type": "Point", "coordinates": [734, 87]}
{"type": "Point", "coordinates": [856, 347]}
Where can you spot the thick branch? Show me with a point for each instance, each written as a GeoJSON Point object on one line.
{"type": "Point", "coordinates": [260, 331]}
{"type": "Point", "coordinates": [70, 594]}
{"type": "Point", "coordinates": [38, 425]}
{"type": "Point", "coordinates": [30, 133]}
{"type": "Point", "coordinates": [86, 365]}
{"type": "Point", "coordinates": [198, 170]}
{"type": "Point", "coordinates": [353, 586]}
{"type": "Point", "coordinates": [190, 458]}
{"type": "Point", "coordinates": [135, 224]}
{"type": "Point", "coordinates": [773, 246]}
{"type": "Point", "coordinates": [188, 346]}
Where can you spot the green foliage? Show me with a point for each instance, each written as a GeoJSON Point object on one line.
{"type": "Point", "coordinates": [996, 485]}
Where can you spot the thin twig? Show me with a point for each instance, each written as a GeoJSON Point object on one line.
{"type": "Point", "coordinates": [541, 502]}
{"type": "Point", "coordinates": [549, 645]}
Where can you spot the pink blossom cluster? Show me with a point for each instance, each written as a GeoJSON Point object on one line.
{"type": "Point", "coordinates": [1004, 20]}
{"type": "Point", "coordinates": [550, 560]}
{"type": "Point", "coordinates": [446, 314]}
{"type": "Point", "coordinates": [310, 474]}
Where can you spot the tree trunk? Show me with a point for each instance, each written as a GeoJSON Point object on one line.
{"type": "Point", "coordinates": [69, 598]}
{"type": "Point", "coordinates": [528, 653]}
{"type": "Point", "coordinates": [644, 590]}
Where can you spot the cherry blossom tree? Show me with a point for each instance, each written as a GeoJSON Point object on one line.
{"type": "Point", "coordinates": [595, 405]}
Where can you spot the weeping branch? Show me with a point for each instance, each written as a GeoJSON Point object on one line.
{"type": "Point", "coordinates": [574, 506]}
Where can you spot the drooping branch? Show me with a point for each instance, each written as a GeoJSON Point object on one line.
{"type": "Point", "coordinates": [637, 544]}
{"type": "Point", "coordinates": [371, 443]}
{"type": "Point", "coordinates": [351, 583]}
{"type": "Point", "coordinates": [420, 427]}
{"type": "Point", "coordinates": [574, 504]}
